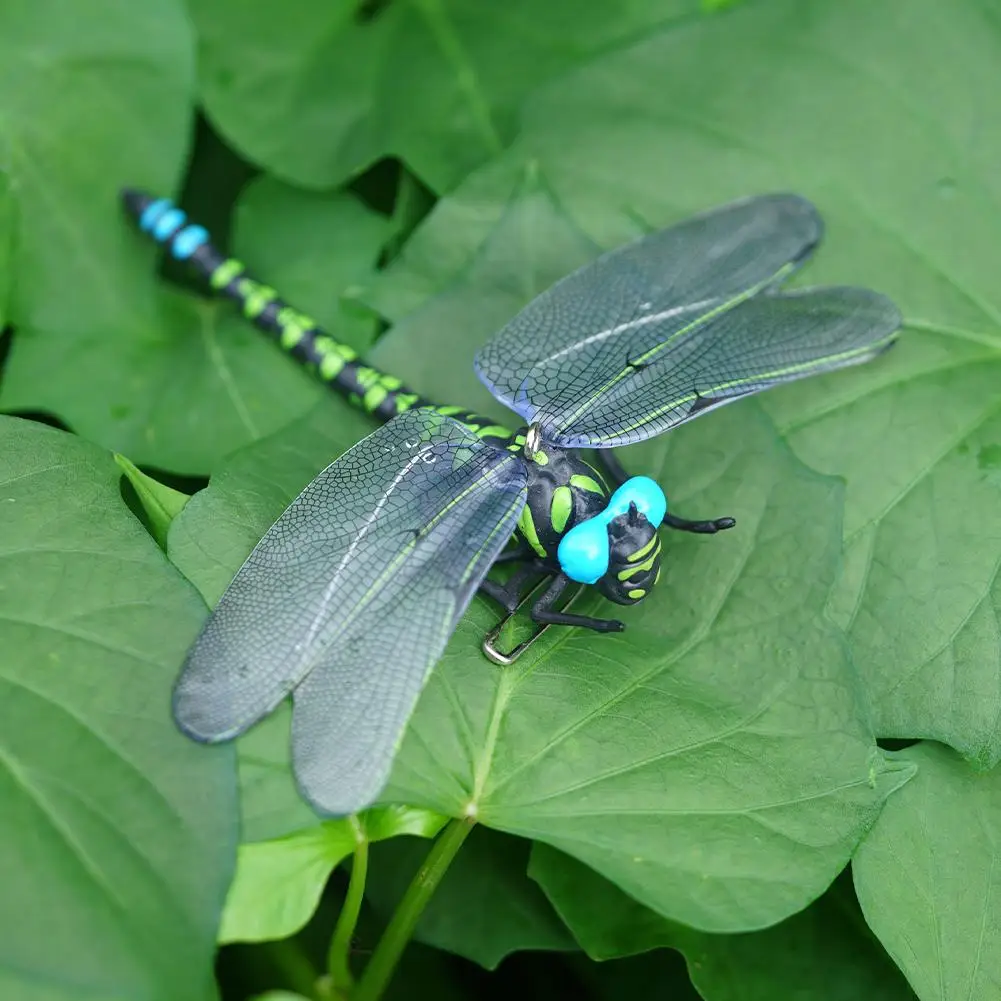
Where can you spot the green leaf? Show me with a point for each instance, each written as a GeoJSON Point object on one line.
{"type": "Point", "coordinates": [161, 504]}
{"type": "Point", "coordinates": [928, 877]}
{"type": "Point", "coordinates": [835, 101]}
{"type": "Point", "coordinates": [8, 215]}
{"type": "Point", "coordinates": [118, 834]}
{"type": "Point", "coordinates": [436, 82]}
{"type": "Point", "coordinates": [193, 381]}
{"type": "Point", "coordinates": [74, 78]}
{"type": "Point", "coordinates": [713, 761]}
{"type": "Point", "coordinates": [485, 908]}
{"type": "Point", "coordinates": [825, 952]}
{"type": "Point", "coordinates": [278, 883]}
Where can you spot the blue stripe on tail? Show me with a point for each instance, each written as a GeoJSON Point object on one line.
{"type": "Point", "coordinates": [165, 223]}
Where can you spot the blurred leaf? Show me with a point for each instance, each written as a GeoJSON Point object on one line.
{"type": "Point", "coordinates": [72, 75]}
{"type": "Point", "coordinates": [278, 883]}
{"type": "Point", "coordinates": [485, 908]}
{"type": "Point", "coordinates": [929, 877]}
{"type": "Point", "coordinates": [713, 761]}
{"type": "Point", "coordinates": [194, 381]}
{"type": "Point", "coordinates": [315, 94]}
{"type": "Point", "coordinates": [118, 834]}
{"type": "Point", "coordinates": [160, 503]}
{"type": "Point", "coordinates": [824, 953]}
{"type": "Point", "coordinates": [876, 113]}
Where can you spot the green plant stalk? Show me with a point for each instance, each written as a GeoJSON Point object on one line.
{"type": "Point", "coordinates": [339, 954]}
{"type": "Point", "coordinates": [287, 956]}
{"type": "Point", "coordinates": [387, 953]}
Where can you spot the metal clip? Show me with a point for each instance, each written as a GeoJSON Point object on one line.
{"type": "Point", "coordinates": [490, 640]}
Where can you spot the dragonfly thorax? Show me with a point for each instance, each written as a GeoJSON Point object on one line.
{"type": "Point", "coordinates": [564, 492]}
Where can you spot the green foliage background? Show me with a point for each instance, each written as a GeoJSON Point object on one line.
{"type": "Point", "coordinates": [697, 784]}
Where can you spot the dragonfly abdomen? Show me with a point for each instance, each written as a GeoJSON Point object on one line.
{"type": "Point", "coordinates": [379, 394]}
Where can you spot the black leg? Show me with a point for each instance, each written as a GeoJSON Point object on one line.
{"type": "Point", "coordinates": [705, 527]}
{"type": "Point", "coordinates": [617, 472]}
{"type": "Point", "coordinates": [508, 594]}
{"type": "Point", "coordinates": [518, 553]}
{"type": "Point", "coordinates": [542, 611]}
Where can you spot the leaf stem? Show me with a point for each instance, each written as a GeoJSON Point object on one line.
{"type": "Point", "coordinates": [339, 954]}
{"type": "Point", "coordinates": [387, 953]}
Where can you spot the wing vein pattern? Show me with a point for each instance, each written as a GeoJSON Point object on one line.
{"type": "Point", "coordinates": [350, 598]}
{"type": "Point", "coordinates": [683, 320]}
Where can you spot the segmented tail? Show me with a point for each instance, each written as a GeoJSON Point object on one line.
{"type": "Point", "coordinates": [381, 395]}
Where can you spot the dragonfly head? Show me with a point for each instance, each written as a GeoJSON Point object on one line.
{"type": "Point", "coordinates": [633, 559]}
{"type": "Point", "coordinates": [619, 549]}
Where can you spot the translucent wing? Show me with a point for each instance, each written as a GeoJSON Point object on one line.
{"type": "Point", "coordinates": [568, 341]}
{"type": "Point", "coordinates": [349, 599]}
{"type": "Point", "coordinates": [757, 344]}
{"type": "Point", "coordinates": [610, 336]}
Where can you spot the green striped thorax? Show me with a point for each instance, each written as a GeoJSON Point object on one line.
{"type": "Point", "coordinates": [563, 492]}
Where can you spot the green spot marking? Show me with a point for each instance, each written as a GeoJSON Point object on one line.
{"type": "Point", "coordinates": [527, 528]}
{"type": "Point", "coordinates": [637, 593]}
{"type": "Point", "coordinates": [256, 298]}
{"type": "Point", "coordinates": [375, 396]}
{"type": "Point", "coordinates": [640, 553]}
{"type": "Point", "coordinates": [657, 578]}
{"type": "Point", "coordinates": [639, 567]}
{"type": "Point", "coordinates": [331, 365]}
{"type": "Point", "coordinates": [367, 377]}
{"type": "Point", "coordinates": [540, 458]}
{"type": "Point", "coordinates": [584, 482]}
{"type": "Point", "coordinates": [404, 401]}
{"type": "Point", "coordinates": [225, 273]}
{"type": "Point", "coordinates": [391, 383]}
{"type": "Point", "coordinates": [562, 506]}
{"type": "Point", "coordinates": [449, 410]}
{"type": "Point", "coordinates": [294, 326]}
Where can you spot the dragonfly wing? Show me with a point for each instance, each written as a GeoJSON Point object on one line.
{"type": "Point", "coordinates": [350, 598]}
{"type": "Point", "coordinates": [565, 344]}
{"type": "Point", "coordinates": [759, 343]}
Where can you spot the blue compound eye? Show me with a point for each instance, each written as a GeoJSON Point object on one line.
{"type": "Point", "coordinates": [583, 552]}
{"type": "Point", "coordinates": [642, 491]}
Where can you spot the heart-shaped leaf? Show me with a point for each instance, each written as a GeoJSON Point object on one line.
{"type": "Point", "coordinates": [720, 737]}
{"type": "Point", "coordinates": [118, 835]}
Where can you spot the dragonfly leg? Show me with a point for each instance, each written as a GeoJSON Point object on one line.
{"type": "Point", "coordinates": [617, 472]}
{"type": "Point", "coordinates": [508, 594]}
{"type": "Point", "coordinates": [705, 527]}
{"type": "Point", "coordinates": [542, 611]}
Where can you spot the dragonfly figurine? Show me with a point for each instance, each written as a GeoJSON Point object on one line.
{"type": "Point", "coordinates": [349, 599]}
